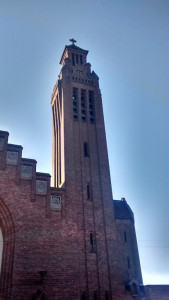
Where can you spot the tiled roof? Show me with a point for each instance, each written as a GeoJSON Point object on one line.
{"type": "Point", "coordinates": [123, 210]}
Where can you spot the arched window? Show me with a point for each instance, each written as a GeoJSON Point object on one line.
{"type": "Point", "coordinates": [134, 289]}
{"type": "Point", "coordinates": [1, 248]}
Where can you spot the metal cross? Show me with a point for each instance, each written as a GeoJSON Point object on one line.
{"type": "Point", "coordinates": [73, 41]}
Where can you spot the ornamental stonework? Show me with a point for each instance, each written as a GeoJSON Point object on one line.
{"type": "Point", "coordinates": [41, 187]}
{"type": "Point", "coordinates": [12, 158]}
{"type": "Point", "coordinates": [26, 172]}
{"type": "Point", "coordinates": [55, 202]}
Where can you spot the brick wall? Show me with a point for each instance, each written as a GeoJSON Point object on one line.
{"type": "Point", "coordinates": [57, 242]}
{"type": "Point", "coordinates": [157, 292]}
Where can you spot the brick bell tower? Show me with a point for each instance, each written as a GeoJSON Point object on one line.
{"type": "Point", "coordinates": [93, 251]}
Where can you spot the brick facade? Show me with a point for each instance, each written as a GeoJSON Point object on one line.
{"type": "Point", "coordinates": [157, 292]}
{"type": "Point", "coordinates": [72, 240]}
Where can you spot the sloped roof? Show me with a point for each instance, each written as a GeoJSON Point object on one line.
{"type": "Point", "coordinates": [73, 46]}
{"type": "Point", "coordinates": [123, 210]}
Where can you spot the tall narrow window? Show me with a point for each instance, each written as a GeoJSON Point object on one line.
{"type": "Point", "coordinates": [75, 103]}
{"type": "Point", "coordinates": [106, 295]}
{"type": "Point", "coordinates": [128, 262]}
{"type": "Point", "coordinates": [57, 142]}
{"type": "Point", "coordinates": [91, 107]}
{"type": "Point", "coordinates": [86, 149]}
{"type": "Point", "coordinates": [88, 191]}
{"type": "Point", "coordinates": [83, 105]}
{"type": "Point", "coordinates": [54, 144]}
{"type": "Point", "coordinates": [73, 59]}
{"type": "Point", "coordinates": [92, 243]}
{"type": "Point", "coordinates": [1, 248]}
{"type": "Point", "coordinates": [95, 296]}
{"type": "Point", "coordinates": [81, 60]}
{"type": "Point", "coordinates": [77, 58]}
{"type": "Point", "coordinates": [125, 236]}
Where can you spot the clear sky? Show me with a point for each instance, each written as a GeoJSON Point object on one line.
{"type": "Point", "coordinates": [128, 43]}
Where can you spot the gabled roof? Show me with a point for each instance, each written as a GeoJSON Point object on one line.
{"type": "Point", "coordinates": [73, 46]}
{"type": "Point", "coordinates": [123, 210]}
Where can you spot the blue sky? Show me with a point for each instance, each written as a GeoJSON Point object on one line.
{"type": "Point", "coordinates": [128, 48]}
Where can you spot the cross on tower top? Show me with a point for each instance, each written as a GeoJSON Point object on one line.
{"type": "Point", "coordinates": [73, 41]}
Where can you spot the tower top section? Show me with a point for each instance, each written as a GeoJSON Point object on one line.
{"type": "Point", "coordinates": [75, 54]}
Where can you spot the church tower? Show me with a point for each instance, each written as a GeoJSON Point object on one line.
{"type": "Point", "coordinates": [81, 169]}
{"type": "Point", "coordinates": [69, 241]}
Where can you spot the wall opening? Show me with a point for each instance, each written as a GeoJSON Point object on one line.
{"type": "Point", "coordinates": [95, 296]}
{"type": "Point", "coordinates": [92, 243]}
{"type": "Point", "coordinates": [6, 251]}
{"type": "Point", "coordinates": [125, 236]}
{"type": "Point", "coordinates": [1, 248]}
{"type": "Point", "coordinates": [86, 149]}
{"type": "Point", "coordinates": [83, 296]}
{"type": "Point", "coordinates": [88, 191]}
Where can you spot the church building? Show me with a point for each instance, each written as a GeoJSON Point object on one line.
{"type": "Point", "coordinates": [67, 240]}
